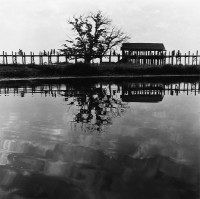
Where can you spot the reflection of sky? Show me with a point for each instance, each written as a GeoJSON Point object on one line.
{"type": "Point", "coordinates": [29, 114]}
{"type": "Point", "coordinates": [36, 135]}
{"type": "Point", "coordinates": [170, 128]}
{"type": "Point", "coordinates": [175, 120]}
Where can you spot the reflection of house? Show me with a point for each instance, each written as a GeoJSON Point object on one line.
{"type": "Point", "coordinates": [143, 53]}
{"type": "Point", "coordinates": [143, 93]}
{"type": "Point", "coordinates": [142, 98]}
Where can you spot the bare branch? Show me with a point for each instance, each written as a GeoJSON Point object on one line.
{"type": "Point", "coordinates": [94, 36]}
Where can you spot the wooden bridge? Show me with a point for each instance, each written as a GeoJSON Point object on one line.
{"type": "Point", "coordinates": [167, 58]}
{"type": "Point", "coordinates": [49, 59]}
{"type": "Point", "coordinates": [134, 89]}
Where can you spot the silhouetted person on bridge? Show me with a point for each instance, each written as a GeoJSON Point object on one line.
{"type": "Point", "coordinates": [178, 53]}
{"type": "Point", "coordinates": [20, 52]}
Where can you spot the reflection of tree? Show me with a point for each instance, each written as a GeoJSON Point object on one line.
{"type": "Point", "coordinates": [97, 109]}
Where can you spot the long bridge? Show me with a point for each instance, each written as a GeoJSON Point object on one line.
{"type": "Point", "coordinates": [48, 58]}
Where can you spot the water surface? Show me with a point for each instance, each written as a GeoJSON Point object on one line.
{"type": "Point", "coordinates": [99, 139]}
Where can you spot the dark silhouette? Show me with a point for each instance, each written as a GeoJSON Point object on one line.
{"type": "Point", "coordinates": [97, 109]}
{"type": "Point", "coordinates": [20, 52]}
{"type": "Point", "coordinates": [94, 37]}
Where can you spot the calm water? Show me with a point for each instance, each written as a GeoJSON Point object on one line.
{"type": "Point", "coordinates": [95, 139]}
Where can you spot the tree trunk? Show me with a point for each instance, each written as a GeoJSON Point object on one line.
{"type": "Point", "coordinates": [88, 59]}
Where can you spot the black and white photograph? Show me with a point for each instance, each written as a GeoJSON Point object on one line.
{"type": "Point", "coordinates": [99, 99]}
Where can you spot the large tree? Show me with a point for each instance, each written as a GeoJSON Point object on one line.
{"type": "Point", "coordinates": [94, 37]}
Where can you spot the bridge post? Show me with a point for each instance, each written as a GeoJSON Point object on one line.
{"type": "Point", "coordinates": [75, 58]}
{"type": "Point", "coordinates": [193, 58]}
{"type": "Point", "coordinates": [15, 58]}
{"type": "Point", "coordinates": [3, 58]}
{"type": "Point", "coordinates": [189, 58]}
{"type": "Point", "coordinates": [24, 58]}
{"type": "Point", "coordinates": [185, 59]}
{"type": "Point", "coordinates": [118, 57]}
{"type": "Point", "coordinates": [197, 58]}
{"type": "Point", "coordinates": [57, 58]}
{"type": "Point", "coordinates": [31, 57]}
{"type": "Point", "coordinates": [6, 56]}
{"type": "Point", "coordinates": [172, 58]}
{"type": "Point", "coordinates": [12, 58]}
{"type": "Point", "coordinates": [66, 59]}
{"type": "Point", "coordinates": [110, 57]}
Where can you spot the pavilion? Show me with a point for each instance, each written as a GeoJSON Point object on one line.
{"type": "Point", "coordinates": [143, 53]}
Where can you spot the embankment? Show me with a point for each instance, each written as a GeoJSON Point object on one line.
{"type": "Point", "coordinates": [80, 69]}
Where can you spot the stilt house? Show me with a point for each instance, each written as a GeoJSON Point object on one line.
{"type": "Point", "coordinates": [143, 53]}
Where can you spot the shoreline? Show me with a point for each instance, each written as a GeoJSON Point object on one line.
{"type": "Point", "coordinates": [83, 71]}
{"type": "Point", "coordinates": [93, 76]}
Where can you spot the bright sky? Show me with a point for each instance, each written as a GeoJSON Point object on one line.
{"type": "Point", "coordinates": [34, 25]}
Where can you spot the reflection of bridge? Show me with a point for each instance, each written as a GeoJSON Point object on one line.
{"type": "Point", "coordinates": [97, 105]}
{"type": "Point", "coordinates": [134, 92]}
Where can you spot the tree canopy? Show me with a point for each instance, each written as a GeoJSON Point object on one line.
{"type": "Point", "coordinates": [94, 36]}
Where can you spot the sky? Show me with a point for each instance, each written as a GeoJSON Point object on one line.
{"type": "Point", "coordinates": [37, 25]}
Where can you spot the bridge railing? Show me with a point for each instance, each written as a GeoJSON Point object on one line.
{"type": "Point", "coordinates": [49, 59]}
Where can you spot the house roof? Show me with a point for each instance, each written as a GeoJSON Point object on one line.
{"type": "Point", "coordinates": [143, 46]}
